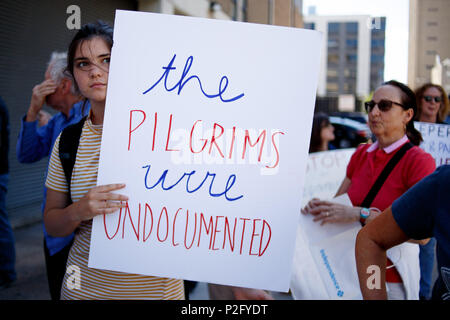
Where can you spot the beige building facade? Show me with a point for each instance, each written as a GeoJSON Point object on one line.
{"type": "Point", "coordinates": [429, 36]}
{"type": "Point", "coordinates": [276, 12]}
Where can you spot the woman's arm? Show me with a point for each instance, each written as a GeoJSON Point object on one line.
{"type": "Point", "coordinates": [62, 218]}
{"type": "Point", "coordinates": [344, 187]}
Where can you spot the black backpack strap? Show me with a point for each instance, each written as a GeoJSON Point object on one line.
{"type": "Point", "coordinates": [384, 174]}
{"type": "Point", "coordinates": [68, 147]}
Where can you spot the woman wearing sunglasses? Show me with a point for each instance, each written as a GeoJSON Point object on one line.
{"type": "Point", "coordinates": [391, 113]}
{"type": "Point", "coordinates": [432, 103]}
{"type": "Point", "coordinates": [433, 106]}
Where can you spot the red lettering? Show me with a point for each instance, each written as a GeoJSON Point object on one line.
{"type": "Point", "coordinates": [227, 226]}
{"type": "Point", "coordinates": [215, 232]}
{"type": "Point", "coordinates": [118, 225]}
{"type": "Point", "coordinates": [145, 222]}
{"type": "Point", "coordinates": [276, 150]}
{"type": "Point", "coordinates": [210, 227]}
{"type": "Point", "coordinates": [232, 142]}
{"type": "Point", "coordinates": [243, 231]}
{"type": "Point", "coordinates": [127, 210]}
{"type": "Point", "coordinates": [253, 236]}
{"type": "Point", "coordinates": [168, 135]}
{"type": "Point", "coordinates": [173, 233]}
{"type": "Point", "coordinates": [190, 140]}
{"type": "Point", "coordinates": [213, 139]}
{"type": "Point", "coordinates": [247, 139]}
{"type": "Point", "coordinates": [130, 131]}
{"type": "Point", "coordinates": [167, 225]}
{"type": "Point", "coordinates": [185, 232]}
{"type": "Point", "coordinates": [260, 253]}
{"type": "Point", "coordinates": [154, 131]}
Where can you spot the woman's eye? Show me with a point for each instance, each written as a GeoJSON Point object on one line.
{"type": "Point", "coordinates": [107, 60]}
{"type": "Point", "coordinates": [83, 64]}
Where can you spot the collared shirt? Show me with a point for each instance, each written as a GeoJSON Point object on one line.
{"type": "Point", "coordinates": [35, 143]}
{"type": "Point", "coordinates": [391, 147]}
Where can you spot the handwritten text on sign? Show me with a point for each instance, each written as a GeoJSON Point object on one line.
{"type": "Point", "coordinates": [436, 140]}
{"type": "Point", "coordinates": [211, 140]}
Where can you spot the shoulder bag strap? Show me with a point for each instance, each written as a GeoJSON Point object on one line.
{"type": "Point", "coordinates": [384, 174]}
{"type": "Point", "coordinates": [68, 147]}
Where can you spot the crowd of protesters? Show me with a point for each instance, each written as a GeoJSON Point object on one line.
{"type": "Point", "coordinates": [382, 180]}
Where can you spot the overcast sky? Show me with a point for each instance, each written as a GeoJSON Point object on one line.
{"type": "Point", "coordinates": [397, 25]}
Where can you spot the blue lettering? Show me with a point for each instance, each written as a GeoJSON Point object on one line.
{"type": "Point", "coordinates": [223, 84]}
{"type": "Point", "coordinates": [161, 181]}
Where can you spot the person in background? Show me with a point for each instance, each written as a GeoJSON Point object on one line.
{"type": "Point", "coordinates": [36, 138]}
{"type": "Point", "coordinates": [7, 245]}
{"type": "Point", "coordinates": [322, 133]}
{"type": "Point", "coordinates": [422, 212]}
{"type": "Point", "coordinates": [391, 114]}
{"type": "Point", "coordinates": [433, 107]}
{"type": "Point", "coordinates": [432, 104]}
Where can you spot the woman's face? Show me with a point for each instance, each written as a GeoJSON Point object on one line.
{"type": "Point", "coordinates": [327, 132]}
{"type": "Point", "coordinates": [430, 109]}
{"type": "Point", "coordinates": [390, 123]}
{"type": "Point", "coordinates": [91, 68]}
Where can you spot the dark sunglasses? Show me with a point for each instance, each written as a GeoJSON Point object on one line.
{"type": "Point", "coordinates": [430, 98]}
{"type": "Point", "coordinates": [383, 105]}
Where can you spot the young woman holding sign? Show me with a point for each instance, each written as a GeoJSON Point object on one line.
{"type": "Point", "coordinates": [391, 114]}
{"type": "Point", "coordinates": [71, 208]}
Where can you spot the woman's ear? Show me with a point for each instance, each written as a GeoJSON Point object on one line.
{"type": "Point", "coordinates": [409, 114]}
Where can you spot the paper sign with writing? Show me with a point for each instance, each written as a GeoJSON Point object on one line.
{"type": "Point", "coordinates": [208, 124]}
{"type": "Point", "coordinates": [325, 172]}
{"type": "Point", "coordinates": [436, 140]}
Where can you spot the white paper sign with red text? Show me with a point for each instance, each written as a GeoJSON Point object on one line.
{"type": "Point", "coordinates": [208, 123]}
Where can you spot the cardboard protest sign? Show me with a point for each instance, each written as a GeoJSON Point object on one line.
{"type": "Point", "coordinates": [436, 140]}
{"type": "Point", "coordinates": [208, 124]}
{"type": "Point", "coordinates": [325, 172]}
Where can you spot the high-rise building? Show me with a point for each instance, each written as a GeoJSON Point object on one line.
{"type": "Point", "coordinates": [353, 53]}
{"type": "Point", "coordinates": [429, 25]}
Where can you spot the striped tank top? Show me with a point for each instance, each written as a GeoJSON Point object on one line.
{"type": "Point", "coordinates": [97, 283]}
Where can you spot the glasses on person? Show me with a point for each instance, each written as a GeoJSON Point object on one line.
{"type": "Point", "coordinates": [430, 98]}
{"type": "Point", "coordinates": [383, 105]}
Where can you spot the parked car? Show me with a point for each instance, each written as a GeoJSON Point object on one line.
{"type": "Point", "coordinates": [357, 116]}
{"type": "Point", "coordinates": [349, 133]}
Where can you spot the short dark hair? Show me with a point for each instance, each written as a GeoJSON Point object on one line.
{"type": "Point", "coordinates": [409, 102]}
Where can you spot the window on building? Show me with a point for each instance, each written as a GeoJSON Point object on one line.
{"type": "Point", "coordinates": [351, 58]}
{"type": "Point", "coordinates": [310, 25]}
{"type": "Point", "coordinates": [332, 43]}
{"type": "Point", "coordinates": [333, 27]}
{"type": "Point", "coordinates": [353, 43]}
{"type": "Point", "coordinates": [351, 27]}
{"type": "Point", "coordinates": [333, 58]}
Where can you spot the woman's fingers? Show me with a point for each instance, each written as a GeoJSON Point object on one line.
{"type": "Point", "coordinates": [110, 187]}
{"type": "Point", "coordinates": [320, 209]}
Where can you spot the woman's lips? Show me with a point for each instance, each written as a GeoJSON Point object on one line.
{"type": "Point", "coordinates": [97, 85]}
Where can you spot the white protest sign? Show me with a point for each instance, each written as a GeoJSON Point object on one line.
{"type": "Point", "coordinates": [436, 141]}
{"type": "Point", "coordinates": [325, 172]}
{"type": "Point", "coordinates": [208, 124]}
